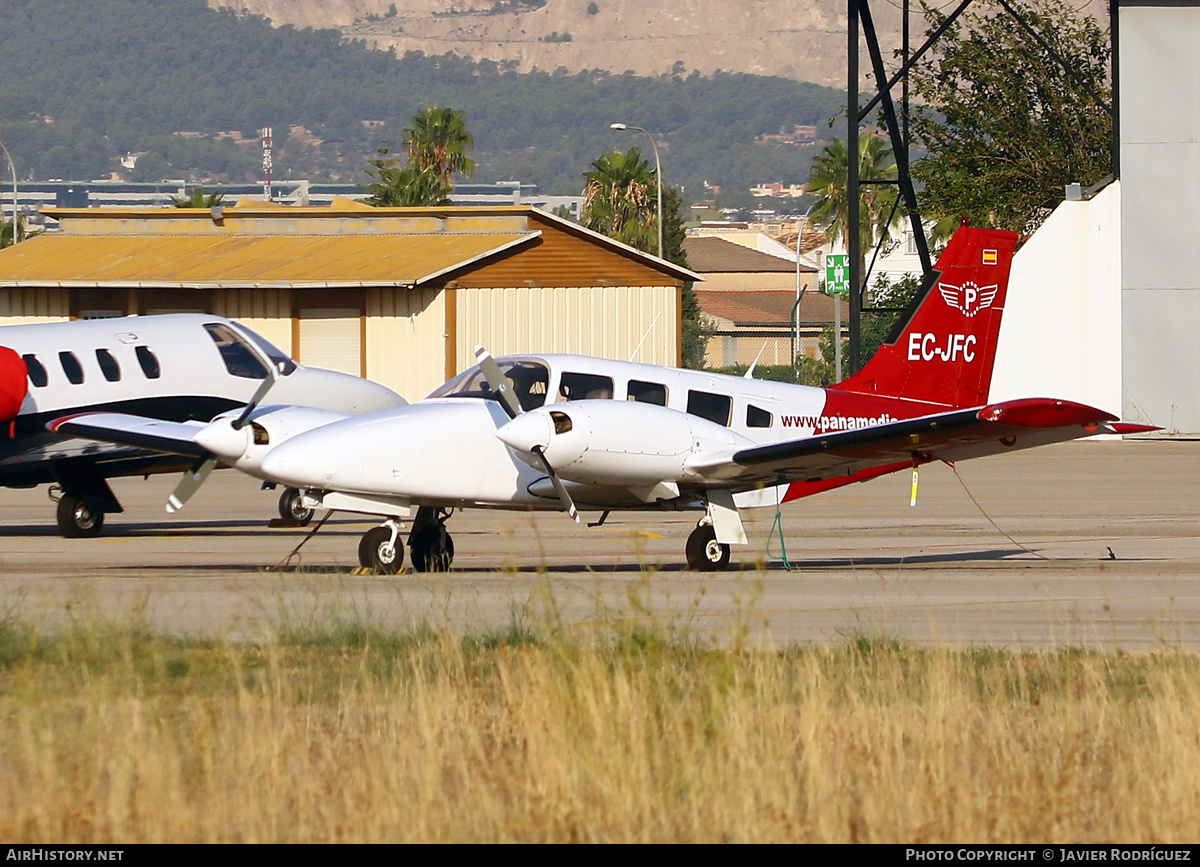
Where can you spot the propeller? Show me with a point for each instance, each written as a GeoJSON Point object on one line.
{"type": "Point", "coordinates": [499, 384]}
{"type": "Point", "coordinates": [189, 484]}
{"type": "Point", "coordinates": [194, 478]}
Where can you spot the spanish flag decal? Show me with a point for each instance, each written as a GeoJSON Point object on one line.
{"type": "Point", "coordinates": [989, 257]}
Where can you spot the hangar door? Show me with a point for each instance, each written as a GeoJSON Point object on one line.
{"type": "Point", "coordinates": [331, 337]}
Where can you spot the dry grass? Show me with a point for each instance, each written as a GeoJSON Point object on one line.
{"type": "Point", "coordinates": [354, 734]}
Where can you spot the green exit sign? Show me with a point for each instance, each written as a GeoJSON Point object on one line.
{"type": "Point", "coordinates": [837, 274]}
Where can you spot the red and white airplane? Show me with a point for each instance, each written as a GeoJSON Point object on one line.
{"type": "Point", "coordinates": [572, 432]}
{"type": "Point", "coordinates": [182, 369]}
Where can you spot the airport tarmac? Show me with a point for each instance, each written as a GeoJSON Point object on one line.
{"type": "Point", "coordinates": [1095, 544]}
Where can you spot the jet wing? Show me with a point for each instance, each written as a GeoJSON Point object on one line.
{"type": "Point", "coordinates": [832, 459]}
{"type": "Point", "coordinates": [168, 437]}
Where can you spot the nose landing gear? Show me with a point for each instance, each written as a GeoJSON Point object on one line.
{"type": "Point", "coordinates": [381, 550]}
{"type": "Point", "coordinates": [430, 546]}
{"type": "Point", "coordinates": [292, 508]}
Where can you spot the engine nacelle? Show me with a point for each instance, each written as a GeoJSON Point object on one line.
{"type": "Point", "coordinates": [609, 442]}
{"type": "Point", "coordinates": [246, 447]}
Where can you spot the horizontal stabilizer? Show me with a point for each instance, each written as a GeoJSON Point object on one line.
{"type": "Point", "coordinates": [829, 460]}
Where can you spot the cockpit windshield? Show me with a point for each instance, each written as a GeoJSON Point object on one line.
{"type": "Point", "coordinates": [283, 363]}
{"type": "Point", "coordinates": [529, 381]}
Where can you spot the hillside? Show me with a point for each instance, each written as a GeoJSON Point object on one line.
{"type": "Point", "coordinates": [803, 41]}
{"type": "Point", "coordinates": [186, 87]}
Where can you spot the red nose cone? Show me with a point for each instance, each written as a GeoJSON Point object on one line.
{"type": "Point", "coordinates": [14, 382]}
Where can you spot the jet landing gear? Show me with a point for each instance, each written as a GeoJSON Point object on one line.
{"type": "Point", "coordinates": [76, 519]}
{"type": "Point", "coordinates": [381, 550]}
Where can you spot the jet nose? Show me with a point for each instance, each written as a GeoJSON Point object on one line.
{"type": "Point", "coordinates": [526, 432]}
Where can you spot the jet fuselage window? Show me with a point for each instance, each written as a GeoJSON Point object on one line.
{"type": "Point", "coordinates": [585, 386]}
{"type": "Point", "coordinates": [148, 361]}
{"type": "Point", "coordinates": [527, 379]}
{"type": "Point", "coordinates": [239, 358]}
{"type": "Point", "coordinates": [37, 371]}
{"type": "Point", "coordinates": [108, 365]}
{"type": "Point", "coordinates": [756, 417]}
{"type": "Point", "coordinates": [647, 392]}
{"type": "Point", "coordinates": [71, 367]}
{"type": "Point", "coordinates": [714, 407]}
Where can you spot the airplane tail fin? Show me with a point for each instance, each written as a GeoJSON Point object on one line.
{"type": "Point", "coordinates": [942, 351]}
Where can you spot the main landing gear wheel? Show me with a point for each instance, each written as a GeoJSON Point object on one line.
{"type": "Point", "coordinates": [76, 520]}
{"type": "Point", "coordinates": [377, 553]}
{"type": "Point", "coordinates": [432, 549]}
{"type": "Point", "coordinates": [704, 552]}
{"type": "Point", "coordinates": [291, 507]}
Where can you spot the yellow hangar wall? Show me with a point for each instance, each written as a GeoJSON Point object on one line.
{"type": "Point", "coordinates": [406, 339]}
{"type": "Point", "coordinates": [29, 306]}
{"type": "Point", "coordinates": [597, 320]}
{"type": "Point", "coordinates": [401, 296]}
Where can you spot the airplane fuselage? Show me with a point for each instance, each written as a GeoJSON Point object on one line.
{"type": "Point", "coordinates": [445, 451]}
{"type": "Point", "coordinates": [176, 368]}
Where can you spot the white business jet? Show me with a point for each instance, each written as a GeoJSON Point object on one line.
{"type": "Point", "coordinates": [571, 432]}
{"type": "Point", "coordinates": [178, 371]}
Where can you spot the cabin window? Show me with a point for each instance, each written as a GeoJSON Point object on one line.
{"type": "Point", "coordinates": [71, 367]}
{"type": "Point", "coordinates": [647, 392]}
{"type": "Point", "coordinates": [149, 362]}
{"type": "Point", "coordinates": [108, 365]}
{"type": "Point", "coordinates": [37, 371]}
{"type": "Point", "coordinates": [585, 386]}
{"type": "Point", "coordinates": [239, 358]}
{"type": "Point", "coordinates": [528, 380]}
{"type": "Point", "coordinates": [714, 407]}
{"type": "Point", "coordinates": [756, 417]}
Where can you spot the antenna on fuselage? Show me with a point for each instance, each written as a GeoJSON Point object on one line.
{"type": "Point", "coordinates": [749, 374]}
{"type": "Point", "coordinates": [644, 336]}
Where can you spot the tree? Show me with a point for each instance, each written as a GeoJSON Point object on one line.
{"type": "Point", "coordinates": [6, 231]}
{"type": "Point", "coordinates": [1005, 126]}
{"type": "Point", "coordinates": [199, 199]}
{"type": "Point", "coordinates": [407, 187]}
{"type": "Point", "coordinates": [438, 140]}
{"type": "Point", "coordinates": [829, 178]}
{"type": "Point", "coordinates": [620, 201]}
{"type": "Point", "coordinates": [150, 167]}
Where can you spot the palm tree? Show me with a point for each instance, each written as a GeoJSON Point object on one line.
{"type": "Point", "coordinates": [199, 199]}
{"type": "Point", "coordinates": [619, 199]}
{"type": "Point", "coordinates": [877, 209]}
{"type": "Point", "coordinates": [6, 231]}
{"type": "Point", "coordinates": [396, 187]}
{"type": "Point", "coordinates": [438, 140]}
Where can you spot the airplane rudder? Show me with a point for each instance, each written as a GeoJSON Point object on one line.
{"type": "Point", "coordinates": [944, 352]}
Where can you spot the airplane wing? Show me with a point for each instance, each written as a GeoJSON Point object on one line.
{"type": "Point", "coordinates": [828, 460]}
{"type": "Point", "coordinates": [168, 437]}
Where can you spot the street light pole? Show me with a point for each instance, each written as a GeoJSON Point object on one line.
{"type": "Point", "coordinates": [799, 292]}
{"type": "Point", "coordinates": [12, 169]}
{"type": "Point", "coordinates": [657, 176]}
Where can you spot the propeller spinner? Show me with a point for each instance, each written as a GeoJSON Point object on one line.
{"type": "Point", "coordinates": [500, 385]}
